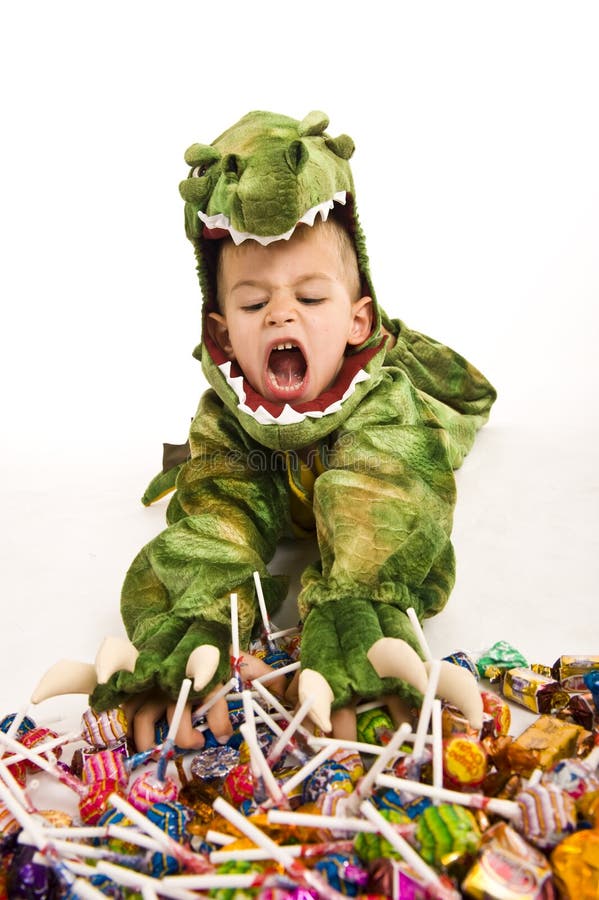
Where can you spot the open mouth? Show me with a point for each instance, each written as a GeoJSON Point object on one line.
{"type": "Point", "coordinates": [286, 369]}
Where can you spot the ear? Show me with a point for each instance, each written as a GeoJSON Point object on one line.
{"type": "Point", "coordinates": [218, 331]}
{"type": "Point", "coordinates": [361, 323]}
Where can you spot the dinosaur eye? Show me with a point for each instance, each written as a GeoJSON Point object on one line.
{"type": "Point", "coordinates": [198, 171]}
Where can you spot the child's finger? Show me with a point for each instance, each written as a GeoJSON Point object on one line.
{"type": "Point", "coordinates": [344, 723]}
{"type": "Point", "coordinates": [187, 737]}
{"type": "Point", "coordinates": [219, 721]}
{"type": "Point", "coordinates": [144, 721]}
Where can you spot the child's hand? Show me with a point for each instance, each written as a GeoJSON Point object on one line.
{"type": "Point", "coordinates": [144, 710]}
{"type": "Point", "coordinates": [336, 670]}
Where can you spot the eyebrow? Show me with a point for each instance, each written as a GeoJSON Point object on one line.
{"type": "Point", "coordinates": [312, 276]}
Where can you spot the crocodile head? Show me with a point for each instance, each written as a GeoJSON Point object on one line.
{"type": "Point", "coordinates": [258, 181]}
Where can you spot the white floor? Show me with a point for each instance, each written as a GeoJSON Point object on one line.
{"type": "Point", "coordinates": [526, 537]}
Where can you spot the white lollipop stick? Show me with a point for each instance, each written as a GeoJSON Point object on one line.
{"type": "Point", "coordinates": [193, 861]}
{"type": "Point", "coordinates": [283, 740]}
{"type": "Point", "coordinates": [293, 866]}
{"type": "Point", "coordinates": [339, 744]}
{"type": "Point", "coordinates": [129, 878]}
{"type": "Point", "coordinates": [82, 832]}
{"type": "Point", "coordinates": [169, 743]}
{"type": "Point", "coordinates": [235, 640]}
{"type": "Point", "coordinates": [422, 869]}
{"type": "Point", "coordinates": [44, 764]}
{"type": "Point", "coordinates": [426, 650]}
{"type": "Point", "coordinates": [437, 747]}
{"type": "Point", "coordinates": [506, 808]}
{"type": "Point", "coordinates": [179, 708]}
{"type": "Point", "coordinates": [42, 748]}
{"type": "Point", "coordinates": [275, 635]}
{"type": "Point", "coordinates": [221, 692]}
{"type": "Point", "coordinates": [272, 701]}
{"type": "Point", "coordinates": [592, 759]}
{"type": "Point", "coordinates": [148, 892]}
{"type": "Point", "coordinates": [218, 837]}
{"type": "Point", "coordinates": [255, 854]}
{"type": "Point", "coordinates": [276, 673]}
{"type": "Point", "coordinates": [250, 732]}
{"type": "Point", "coordinates": [307, 769]}
{"type": "Point", "coordinates": [260, 767]}
{"type": "Point", "coordinates": [268, 720]}
{"type": "Point", "coordinates": [326, 823]}
{"type": "Point", "coordinates": [15, 725]}
{"type": "Point", "coordinates": [364, 786]}
{"type": "Point", "coordinates": [427, 706]}
{"type": "Point", "coordinates": [86, 891]}
{"type": "Point", "coordinates": [15, 788]}
{"type": "Point", "coordinates": [262, 604]}
{"type": "Point", "coordinates": [214, 882]}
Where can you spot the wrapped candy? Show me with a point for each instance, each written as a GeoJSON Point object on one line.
{"type": "Point", "coordinates": [371, 846]}
{"type": "Point", "coordinates": [534, 691]}
{"type": "Point", "coordinates": [547, 815]}
{"type": "Point", "coordinates": [464, 761]}
{"type": "Point", "coordinates": [148, 790]}
{"type": "Point", "coordinates": [104, 765]}
{"type": "Point", "coordinates": [104, 730]}
{"type": "Point", "coordinates": [498, 659]}
{"type": "Point", "coordinates": [329, 776]}
{"type": "Point", "coordinates": [576, 866]}
{"type": "Point", "coordinates": [446, 829]}
{"type": "Point", "coordinates": [374, 724]}
{"type": "Point", "coordinates": [499, 711]}
{"type": "Point", "coordinates": [549, 739]}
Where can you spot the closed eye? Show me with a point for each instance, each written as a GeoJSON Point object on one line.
{"type": "Point", "coordinates": [254, 307]}
{"type": "Point", "coordinates": [311, 300]}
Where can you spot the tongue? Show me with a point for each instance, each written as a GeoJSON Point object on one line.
{"type": "Point", "coordinates": [288, 367]}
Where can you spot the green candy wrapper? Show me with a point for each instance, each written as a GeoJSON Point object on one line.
{"type": "Point", "coordinates": [498, 659]}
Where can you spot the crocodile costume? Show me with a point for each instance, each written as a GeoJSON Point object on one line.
{"type": "Point", "coordinates": [384, 440]}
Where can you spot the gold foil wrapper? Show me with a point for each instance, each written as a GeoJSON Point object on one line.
{"type": "Point", "coordinates": [567, 666]}
{"type": "Point", "coordinates": [576, 865]}
{"type": "Point", "coordinates": [533, 691]}
{"type": "Point", "coordinates": [548, 740]}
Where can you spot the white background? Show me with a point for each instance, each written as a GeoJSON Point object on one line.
{"type": "Point", "coordinates": [477, 181]}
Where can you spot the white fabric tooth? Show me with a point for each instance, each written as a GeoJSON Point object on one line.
{"type": "Point", "coordinates": [394, 658]}
{"type": "Point", "coordinates": [459, 687]}
{"type": "Point", "coordinates": [115, 653]}
{"type": "Point", "coordinates": [288, 415]}
{"type": "Point", "coordinates": [68, 676]}
{"type": "Point", "coordinates": [313, 684]}
{"type": "Point", "coordinates": [202, 663]}
{"type": "Point", "coordinates": [220, 220]}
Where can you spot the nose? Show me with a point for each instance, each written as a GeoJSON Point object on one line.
{"type": "Point", "coordinates": [280, 311]}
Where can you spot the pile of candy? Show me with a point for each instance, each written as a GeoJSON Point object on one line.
{"type": "Point", "coordinates": [284, 813]}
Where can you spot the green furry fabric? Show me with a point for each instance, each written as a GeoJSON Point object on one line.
{"type": "Point", "coordinates": [383, 508]}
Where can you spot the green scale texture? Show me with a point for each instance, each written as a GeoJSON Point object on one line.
{"type": "Point", "coordinates": [383, 508]}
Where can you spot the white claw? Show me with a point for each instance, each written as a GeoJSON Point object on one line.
{"type": "Point", "coordinates": [115, 653]}
{"type": "Point", "coordinates": [66, 677]}
{"type": "Point", "coordinates": [202, 663]}
{"type": "Point", "coordinates": [394, 658]}
{"type": "Point", "coordinates": [458, 686]}
{"type": "Point", "coordinates": [313, 684]}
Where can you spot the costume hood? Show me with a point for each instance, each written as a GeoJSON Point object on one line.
{"type": "Point", "coordinates": [258, 181]}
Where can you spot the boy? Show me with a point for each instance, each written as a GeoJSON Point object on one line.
{"type": "Point", "coordinates": [324, 415]}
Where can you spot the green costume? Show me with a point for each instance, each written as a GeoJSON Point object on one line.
{"type": "Point", "coordinates": [368, 464]}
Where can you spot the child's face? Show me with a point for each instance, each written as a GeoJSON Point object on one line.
{"type": "Point", "coordinates": [288, 315]}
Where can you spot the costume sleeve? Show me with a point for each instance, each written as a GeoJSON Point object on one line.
{"type": "Point", "coordinates": [458, 394]}
{"type": "Point", "coordinates": [229, 510]}
{"type": "Point", "coordinates": [383, 514]}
